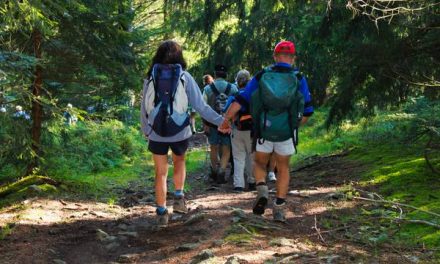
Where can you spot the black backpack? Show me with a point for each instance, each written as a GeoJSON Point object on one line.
{"type": "Point", "coordinates": [219, 99]}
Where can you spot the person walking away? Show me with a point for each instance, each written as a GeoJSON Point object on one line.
{"type": "Point", "coordinates": [69, 117]}
{"type": "Point", "coordinates": [20, 113]}
{"type": "Point", "coordinates": [216, 95]}
{"type": "Point", "coordinates": [207, 80]}
{"type": "Point", "coordinates": [280, 102]}
{"type": "Point", "coordinates": [167, 92]}
{"type": "Point", "coordinates": [241, 140]}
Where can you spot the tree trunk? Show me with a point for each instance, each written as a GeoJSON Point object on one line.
{"type": "Point", "coordinates": [37, 108]}
{"type": "Point", "coordinates": [167, 11]}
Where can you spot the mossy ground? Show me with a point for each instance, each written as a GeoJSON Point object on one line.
{"type": "Point", "coordinates": [395, 166]}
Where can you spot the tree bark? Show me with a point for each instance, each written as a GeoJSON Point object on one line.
{"type": "Point", "coordinates": [37, 108]}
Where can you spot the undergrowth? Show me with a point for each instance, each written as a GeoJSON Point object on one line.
{"type": "Point", "coordinates": [388, 146]}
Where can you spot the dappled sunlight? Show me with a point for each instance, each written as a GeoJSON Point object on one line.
{"type": "Point", "coordinates": [397, 171]}
{"type": "Point", "coordinates": [47, 212]}
{"type": "Point", "coordinates": [320, 207]}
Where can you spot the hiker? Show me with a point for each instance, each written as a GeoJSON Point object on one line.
{"type": "Point", "coordinates": [241, 140]}
{"type": "Point", "coordinates": [216, 95]}
{"type": "Point", "coordinates": [20, 113]}
{"type": "Point", "coordinates": [165, 121]}
{"type": "Point", "coordinates": [277, 110]}
{"type": "Point", "coordinates": [207, 80]}
{"type": "Point", "coordinates": [69, 117]}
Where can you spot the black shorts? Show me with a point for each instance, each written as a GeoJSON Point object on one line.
{"type": "Point", "coordinates": [161, 148]}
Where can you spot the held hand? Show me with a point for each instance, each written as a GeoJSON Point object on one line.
{"type": "Point", "coordinates": [225, 127]}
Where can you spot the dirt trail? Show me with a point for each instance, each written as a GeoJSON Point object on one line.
{"type": "Point", "coordinates": [220, 227]}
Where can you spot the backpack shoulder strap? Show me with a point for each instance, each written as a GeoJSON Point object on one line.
{"type": "Point", "coordinates": [176, 78]}
{"type": "Point", "coordinates": [154, 78]}
{"type": "Point", "coordinates": [260, 74]}
{"type": "Point", "coordinates": [228, 89]}
{"type": "Point", "coordinates": [214, 89]}
{"type": "Point", "coordinates": [182, 79]}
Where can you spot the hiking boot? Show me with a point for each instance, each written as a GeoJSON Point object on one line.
{"type": "Point", "coordinates": [238, 189]}
{"type": "Point", "coordinates": [162, 219]}
{"type": "Point", "coordinates": [213, 175]}
{"type": "Point", "coordinates": [278, 212]}
{"type": "Point", "coordinates": [271, 177]}
{"type": "Point", "coordinates": [221, 176]}
{"type": "Point", "coordinates": [261, 201]}
{"type": "Point", "coordinates": [179, 205]}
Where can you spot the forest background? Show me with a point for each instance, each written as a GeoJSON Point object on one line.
{"type": "Point", "coordinates": [372, 68]}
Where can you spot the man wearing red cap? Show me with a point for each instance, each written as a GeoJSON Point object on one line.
{"type": "Point", "coordinates": [283, 147]}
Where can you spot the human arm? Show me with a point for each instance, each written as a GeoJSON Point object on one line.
{"type": "Point", "coordinates": [308, 106]}
{"type": "Point", "coordinates": [198, 102]}
{"type": "Point", "coordinates": [233, 109]}
{"type": "Point", "coordinates": [244, 96]}
{"type": "Point", "coordinates": [240, 101]}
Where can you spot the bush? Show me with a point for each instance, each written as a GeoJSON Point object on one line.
{"type": "Point", "coordinates": [15, 146]}
{"type": "Point", "coordinates": [89, 147]}
{"type": "Point", "coordinates": [84, 148]}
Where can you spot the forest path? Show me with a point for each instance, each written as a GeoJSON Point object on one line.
{"type": "Point", "coordinates": [220, 227]}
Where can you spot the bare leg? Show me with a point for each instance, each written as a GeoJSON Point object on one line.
{"type": "Point", "coordinates": [226, 155]}
{"type": "Point", "coordinates": [214, 156]}
{"type": "Point", "coordinates": [179, 171]}
{"type": "Point", "coordinates": [283, 175]}
{"type": "Point", "coordinates": [161, 170]}
{"type": "Point", "coordinates": [261, 160]}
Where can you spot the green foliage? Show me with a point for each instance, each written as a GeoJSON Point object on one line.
{"type": "Point", "coordinates": [86, 56]}
{"type": "Point", "coordinates": [357, 66]}
{"type": "Point", "coordinates": [84, 148]}
{"type": "Point", "coordinates": [90, 147]}
{"type": "Point", "coordinates": [6, 230]}
{"type": "Point", "coordinates": [14, 139]}
{"type": "Point", "coordinates": [23, 183]}
{"type": "Point", "coordinates": [388, 146]}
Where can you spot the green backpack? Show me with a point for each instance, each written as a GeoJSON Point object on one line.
{"type": "Point", "coordinates": [277, 106]}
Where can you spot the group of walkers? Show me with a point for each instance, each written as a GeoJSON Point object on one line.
{"type": "Point", "coordinates": [69, 117]}
{"type": "Point", "coordinates": [18, 114]}
{"type": "Point", "coordinates": [259, 117]}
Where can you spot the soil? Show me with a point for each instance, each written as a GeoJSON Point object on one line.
{"type": "Point", "coordinates": [70, 231]}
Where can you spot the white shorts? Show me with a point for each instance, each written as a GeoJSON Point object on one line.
{"type": "Point", "coordinates": [283, 148]}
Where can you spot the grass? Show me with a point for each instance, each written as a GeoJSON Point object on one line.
{"type": "Point", "coordinates": [102, 186]}
{"type": "Point", "coordinates": [141, 170]}
{"type": "Point", "coordinates": [6, 231]}
{"type": "Point", "coordinates": [401, 175]}
{"type": "Point", "coordinates": [395, 166]}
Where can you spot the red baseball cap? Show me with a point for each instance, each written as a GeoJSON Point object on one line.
{"type": "Point", "coordinates": [285, 47]}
